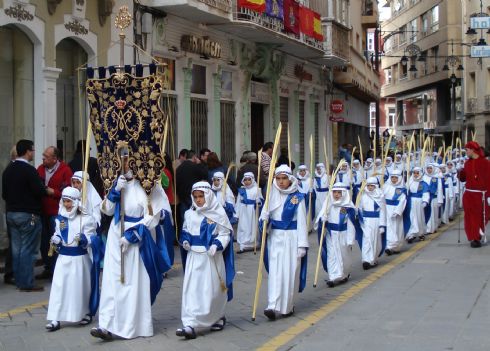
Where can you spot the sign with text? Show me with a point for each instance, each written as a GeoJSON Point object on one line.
{"type": "Point", "coordinates": [337, 106]}
{"type": "Point", "coordinates": [202, 46]}
{"type": "Point", "coordinates": [480, 22]}
{"type": "Point", "coordinates": [336, 119]}
{"type": "Point", "coordinates": [480, 51]}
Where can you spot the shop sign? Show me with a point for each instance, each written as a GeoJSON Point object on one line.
{"type": "Point", "coordinates": [337, 106]}
{"type": "Point", "coordinates": [201, 46]}
{"type": "Point", "coordinates": [336, 119]}
{"type": "Point", "coordinates": [480, 51]}
{"type": "Point", "coordinates": [480, 22]}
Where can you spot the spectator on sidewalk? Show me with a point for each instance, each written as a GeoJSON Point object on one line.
{"type": "Point", "coordinates": [250, 165]}
{"type": "Point", "coordinates": [8, 277]}
{"type": "Point", "coordinates": [23, 191]}
{"type": "Point", "coordinates": [265, 162]}
{"type": "Point", "coordinates": [56, 175]}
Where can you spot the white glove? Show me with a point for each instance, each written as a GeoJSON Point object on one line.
{"type": "Point", "coordinates": [394, 215]}
{"type": "Point", "coordinates": [124, 243]}
{"type": "Point", "coordinates": [424, 204]}
{"type": "Point", "coordinates": [56, 239]}
{"type": "Point", "coordinates": [381, 230]}
{"type": "Point", "coordinates": [488, 201]}
{"type": "Point", "coordinates": [265, 215]}
{"type": "Point", "coordinates": [324, 218]}
{"type": "Point", "coordinates": [186, 245]}
{"type": "Point", "coordinates": [121, 183]}
{"type": "Point", "coordinates": [301, 252]}
{"type": "Point", "coordinates": [212, 250]}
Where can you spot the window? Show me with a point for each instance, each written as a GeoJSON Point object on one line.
{"type": "Point", "coordinates": [388, 76]}
{"type": "Point", "coordinates": [391, 117]}
{"type": "Point", "coordinates": [403, 35]}
{"type": "Point", "coordinates": [372, 122]}
{"type": "Point", "coordinates": [425, 23]}
{"type": "Point", "coordinates": [425, 68]}
{"type": "Point", "coordinates": [434, 22]}
{"type": "Point", "coordinates": [198, 85]}
{"type": "Point", "coordinates": [403, 71]}
{"type": "Point", "coordinates": [413, 31]}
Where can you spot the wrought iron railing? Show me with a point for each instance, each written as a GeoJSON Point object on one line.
{"type": "Point", "coordinates": [471, 105]}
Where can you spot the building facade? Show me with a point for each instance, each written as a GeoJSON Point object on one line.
{"type": "Point", "coordinates": [417, 40]}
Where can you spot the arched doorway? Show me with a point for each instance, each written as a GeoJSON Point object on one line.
{"type": "Point", "coordinates": [69, 128]}
{"type": "Point", "coordinates": [16, 93]}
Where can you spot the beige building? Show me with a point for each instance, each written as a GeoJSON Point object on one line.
{"type": "Point", "coordinates": [417, 40]}
{"type": "Point", "coordinates": [476, 83]}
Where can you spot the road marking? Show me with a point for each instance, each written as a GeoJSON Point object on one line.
{"type": "Point", "coordinates": [23, 309]}
{"type": "Point", "coordinates": [314, 317]}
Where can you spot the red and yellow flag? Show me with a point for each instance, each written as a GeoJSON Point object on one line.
{"type": "Point", "coordinates": [254, 5]}
{"type": "Point", "coordinates": [306, 21]}
{"type": "Point", "coordinates": [317, 27]}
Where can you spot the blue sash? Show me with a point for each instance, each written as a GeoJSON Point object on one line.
{"type": "Point", "coordinates": [72, 251]}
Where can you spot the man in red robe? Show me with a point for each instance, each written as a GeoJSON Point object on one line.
{"type": "Point", "coordinates": [476, 198]}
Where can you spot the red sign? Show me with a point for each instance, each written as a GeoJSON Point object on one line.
{"type": "Point", "coordinates": [337, 106]}
{"type": "Point", "coordinates": [336, 119]}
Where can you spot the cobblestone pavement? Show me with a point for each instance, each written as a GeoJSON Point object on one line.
{"type": "Point", "coordinates": [432, 297]}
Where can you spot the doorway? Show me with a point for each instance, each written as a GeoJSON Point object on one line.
{"type": "Point", "coordinates": [256, 126]}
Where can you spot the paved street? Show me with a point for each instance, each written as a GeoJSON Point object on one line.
{"type": "Point", "coordinates": [432, 297]}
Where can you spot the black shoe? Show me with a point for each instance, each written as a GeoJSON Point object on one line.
{"type": "Point", "coordinates": [374, 265]}
{"type": "Point", "coordinates": [330, 283]}
{"type": "Point", "coordinates": [366, 265]}
{"type": "Point", "coordinates": [344, 280]}
{"type": "Point", "coordinates": [388, 252]}
{"type": "Point", "coordinates": [46, 274]}
{"type": "Point", "coordinates": [422, 238]}
{"type": "Point", "coordinates": [187, 332]}
{"type": "Point", "coordinates": [8, 279]}
{"type": "Point", "coordinates": [52, 327]}
{"type": "Point", "coordinates": [286, 315]}
{"type": "Point", "coordinates": [271, 314]}
{"type": "Point", "coordinates": [219, 325]}
{"type": "Point", "coordinates": [35, 288]}
{"type": "Point", "coordinates": [101, 334]}
{"type": "Point", "coordinates": [475, 243]}
{"type": "Point", "coordinates": [410, 240]}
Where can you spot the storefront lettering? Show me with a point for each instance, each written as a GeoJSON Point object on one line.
{"type": "Point", "coordinates": [202, 46]}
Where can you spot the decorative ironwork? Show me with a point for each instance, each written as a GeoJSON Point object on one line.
{"type": "Point", "coordinates": [19, 12]}
{"type": "Point", "coordinates": [123, 18]}
{"type": "Point", "coordinates": [76, 27]}
{"type": "Point", "coordinates": [52, 4]}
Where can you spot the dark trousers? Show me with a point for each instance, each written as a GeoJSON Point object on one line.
{"type": "Point", "coordinates": [49, 226]}
{"type": "Point", "coordinates": [8, 257]}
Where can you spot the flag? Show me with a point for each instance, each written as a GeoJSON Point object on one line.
{"type": "Point", "coordinates": [306, 21]}
{"type": "Point", "coordinates": [274, 8]}
{"type": "Point", "coordinates": [254, 5]}
{"type": "Point", "coordinates": [291, 16]}
{"type": "Point", "coordinates": [317, 27]}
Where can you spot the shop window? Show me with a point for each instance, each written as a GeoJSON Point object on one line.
{"type": "Point", "coordinates": [199, 124]}
{"type": "Point", "coordinates": [227, 132]}
{"type": "Point", "coordinates": [198, 80]}
{"type": "Point", "coordinates": [169, 107]}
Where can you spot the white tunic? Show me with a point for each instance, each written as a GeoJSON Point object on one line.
{"type": "Point", "coordinates": [434, 203]}
{"type": "Point", "coordinates": [247, 219]}
{"type": "Point", "coordinates": [371, 237]}
{"type": "Point", "coordinates": [125, 309]}
{"type": "Point", "coordinates": [417, 216]}
{"type": "Point", "coordinates": [339, 260]}
{"type": "Point", "coordinates": [203, 300]}
{"type": "Point", "coordinates": [448, 198]}
{"type": "Point", "coordinates": [394, 225]}
{"type": "Point", "coordinates": [284, 263]}
{"type": "Point", "coordinates": [70, 289]}
{"type": "Point", "coordinates": [321, 196]}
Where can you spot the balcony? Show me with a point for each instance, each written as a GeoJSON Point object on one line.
{"type": "Point", "coordinates": [261, 28]}
{"type": "Point", "coordinates": [471, 105]}
{"type": "Point", "coordinates": [337, 49]}
{"type": "Point", "coordinates": [198, 11]}
{"type": "Point", "coordinates": [370, 15]}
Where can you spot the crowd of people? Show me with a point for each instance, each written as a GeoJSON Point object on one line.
{"type": "Point", "coordinates": [383, 204]}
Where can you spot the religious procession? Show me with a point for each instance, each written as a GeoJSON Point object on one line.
{"type": "Point", "coordinates": [113, 249]}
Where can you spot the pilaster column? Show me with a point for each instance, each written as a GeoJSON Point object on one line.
{"type": "Point", "coordinates": [214, 115]}
{"type": "Point", "coordinates": [184, 103]}
{"type": "Point", "coordinates": [48, 118]}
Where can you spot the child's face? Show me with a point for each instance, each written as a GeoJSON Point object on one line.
{"type": "Point", "coordinates": [302, 172]}
{"type": "Point", "coordinates": [337, 194]}
{"type": "Point", "coordinates": [216, 181]}
{"type": "Point", "coordinates": [198, 197]}
{"type": "Point", "coordinates": [344, 167]}
{"type": "Point", "coordinates": [282, 181]}
{"type": "Point", "coordinates": [68, 204]}
{"type": "Point", "coordinates": [76, 184]}
{"type": "Point", "coordinates": [319, 170]}
{"type": "Point", "coordinates": [430, 170]}
{"type": "Point", "coordinates": [394, 180]}
{"type": "Point", "coordinates": [247, 181]}
{"type": "Point", "coordinates": [416, 174]}
{"type": "Point", "coordinates": [371, 187]}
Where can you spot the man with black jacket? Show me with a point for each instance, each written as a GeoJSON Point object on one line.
{"type": "Point", "coordinates": [22, 190]}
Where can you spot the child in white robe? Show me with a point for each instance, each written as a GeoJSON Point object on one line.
{"type": "Point", "coordinates": [417, 211]}
{"type": "Point", "coordinates": [358, 175]}
{"type": "Point", "coordinates": [69, 299]}
{"type": "Point", "coordinates": [368, 168]}
{"type": "Point", "coordinates": [306, 187]}
{"type": "Point", "coordinates": [92, 199]}
{"type": "Point", "coordinates": [434, 182]}
{"type": "Point", "coordinates": [208, 263]}
{"type": "Point", "coordinates": [320, 184]}
{"type": "Point", "coordinates": [344, 174]}
{"type": "Point", "coordinates": [396, 200]}
{"type": "Point", "coordinates": [448, 192]}
{"type": "Point", "coordinates": [338, 214]}
{"type": "Point", "coordinates": [226, 200]}
{"type": "Point", "coordinates": [453, 204]}
{"type": "Point", "coordinates": [372, 216]}
{"type": "Point", "coordinates": [247, 205]}
{"type": "Point", "coordinates": [287, 243]}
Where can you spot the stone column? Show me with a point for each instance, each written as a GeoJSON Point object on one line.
{"type": "Point", "coordinates": [184, 112]}
{"type": "Point", "coordinates": [214, 114]}
{"type": "Point", "coordinates": [48, 119]}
